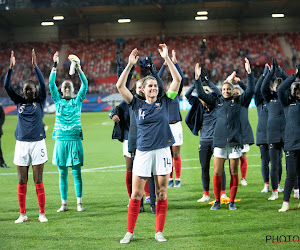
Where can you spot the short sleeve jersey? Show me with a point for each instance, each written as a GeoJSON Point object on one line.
{"type": "Point", "coordinates": [153, 130]}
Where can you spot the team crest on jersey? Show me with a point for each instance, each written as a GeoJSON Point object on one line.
{"type": "Point", "coordinates": [158, 105]}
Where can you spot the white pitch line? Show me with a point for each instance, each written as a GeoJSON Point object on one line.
{"type": "Point", "coordinates": [113, 169]}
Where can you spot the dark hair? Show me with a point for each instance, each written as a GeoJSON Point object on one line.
{"type": "Point", "coordinates": [145, 79]}
{"type": "Point", "coordinates": [28, 81]}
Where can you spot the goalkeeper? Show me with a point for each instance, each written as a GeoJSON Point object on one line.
{"type": "Point", "coordinates": [67, 132]}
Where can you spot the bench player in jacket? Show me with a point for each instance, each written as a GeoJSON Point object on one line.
{"type": "Point", "coordinates": [30, 134]}
{"type": "Point", "coordinates": [67, 132]}
{"type": "Point", "coordinates": [154, 138]}
{"type": "Point", "coordinates": [227, 141]}
{"type": "Point", "coordinates": [289, 97]}
{"type": "Point", "coordinates": [275, 125]}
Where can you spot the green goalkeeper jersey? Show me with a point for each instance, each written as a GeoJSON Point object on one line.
{"type": "Point", "coordinates": [67, 113]}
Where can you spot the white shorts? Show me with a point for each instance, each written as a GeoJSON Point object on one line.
{"type": "Point", "coordinates": [245, 148]}
{"type": "Point", "coordinates": [157, 161]}
{"type": "Point", "coordinates": [30, 153]}
{"type": "Point", "coordinates": [176, 129]}
{"type": "Point", "coordinates": [125, 149]}
{"type": "Point", "coordinates": [228, 152]}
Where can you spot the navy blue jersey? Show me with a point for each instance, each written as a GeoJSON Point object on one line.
{"type": "Point", "coordinates": [292, 115]}
{"type": "Point", "coordinates": [30, 125]}
{"type": "Point", "coordinates": [153, 130]}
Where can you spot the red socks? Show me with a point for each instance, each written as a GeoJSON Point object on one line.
{"type": "Point", "coordinates": [244, 166]}
{"type": "Point", "coordinates": [133, 212]}
{"type": "Point", "coordinates": [217, 184]}
{"type": "Point", "coordinates": [206, 192]}
{"type": "Point", "coordinates": [234, 182]}
{"type": "Point", "coordinates": [171, 174]}
{"type": "Point", "coordinates": [40, 192]}
{"type": "Point", "coordinates": [147, 193]}
{"type": "Point", "coordinates": [177, 163]}
{"type": "Point", "coordinates": [128, 180]}
{"type": "Point", "coordinates": [161, 214]}
{"type": "Point", "coordinates": [22, 197]}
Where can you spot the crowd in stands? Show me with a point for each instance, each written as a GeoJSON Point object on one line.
{"type": "Point", "coordinates": [219, 54]}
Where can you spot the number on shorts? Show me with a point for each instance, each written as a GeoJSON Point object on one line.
{"type": "Point", "coordinates": [42, 152]}
{"type": "Point", "coordinates": [75, 156]}
{"type": "Point", "coordinates": [167, 161]}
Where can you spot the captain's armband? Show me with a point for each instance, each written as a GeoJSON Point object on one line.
{"type": "Point", "coordinates": [171, 94]}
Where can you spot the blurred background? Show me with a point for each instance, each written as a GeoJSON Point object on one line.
{"type": "Point", "coordinates": [217, 34]}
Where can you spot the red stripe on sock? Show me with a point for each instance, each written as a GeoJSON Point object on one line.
{"type": "Point", "coordinates": [128, 180]}
{"type": "Point", "coordinates": [40, 192]}
{"type": "Point", "coordinates": [244, 167]}
{"type": "Point", "coordinates": [161, 214]}
{"type": "Point", "coordinates": [234, 182]}
{"type": "Point", "coordinates": [133, 212]}
{"type": "Point", "coordinates": [217, 184]}
{"type": "Point", "coordinates": [177, 163]}
{"type": "Point", "coordinates": [22, 197]}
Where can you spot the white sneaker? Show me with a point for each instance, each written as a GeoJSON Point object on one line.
{"type": "Point", "coordinates": [273, 197]}
{"type": "Point", "coordinates": [204, 198]}
{"type": "Point", "coordinates": [244, 182]}
{"type": "Point", "coordinates": [127, 238]}
{"type": "Point", "coordinates": [296, 194]}
{"type": "Point", "coordinates": [22, 218]}
{"type": "Point", "coordinates": [80, 207]}
{"type": "Point", "coordinates": [266, 189]}
{"type": "Point", "coordinates": [63, 208]}
{"type": "Point", "coordinates": [285, 207]}
{"type": "Point", "coordinates": [280, 189]}
{"type": "Point", "coordinates": [42, 218]}
{"type": "Point", "coordinates": [224, 196]}
{"type": "Point", "coordinates": [159, 237]}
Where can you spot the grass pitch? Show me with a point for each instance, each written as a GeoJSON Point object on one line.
{"type": "Point", "coordinates": [189, 225]}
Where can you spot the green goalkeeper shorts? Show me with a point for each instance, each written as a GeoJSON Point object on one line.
{"type": "Point", "coordinates": [68, 153]}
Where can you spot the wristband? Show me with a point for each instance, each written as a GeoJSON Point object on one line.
{"type": "Point", "coordinates": [55, 65]}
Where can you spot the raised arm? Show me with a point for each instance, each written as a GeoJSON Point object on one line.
{"type": "Point", "coordinates": [265, 87]}
{"type": "Point", "coordinates": [284, 88]}
{"type": "Point", "coordinates": [209, 99]}
{"type": "Point", "coordinates": [249, 91]}
{"type": "Point", "coordinates": [257, 91]}
{"type": "Point", "coordinates": [179, 70]}
{"type": "Point", "coordinates": [52, 86]}
{"type": "Point", "coordinates": [11, 93]}
{"type": "Point", "coordinates": [84, 82]}
{"type": "Point", "coordinates": [175, 84]}
{"type": "Point", "coordinates": [240, 83]}
{"type": "Point", "coordinates": [42, 88]}
{"type": "Point", "coordinates": [121, 83]}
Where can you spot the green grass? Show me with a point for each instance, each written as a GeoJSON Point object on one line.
{"type": "Point", "coordinates": [189, 225]}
